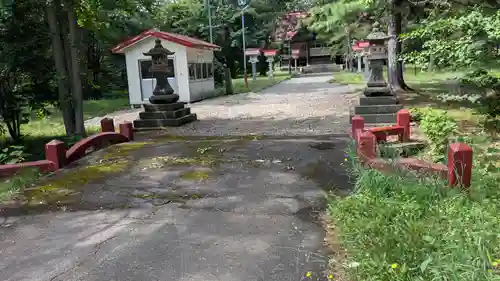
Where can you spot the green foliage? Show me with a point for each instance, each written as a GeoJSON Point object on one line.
{"type": "Point", "coordinates": [438, 127]}
{"type": "Point", "coordinates": [12, 154]}
{"type": "Point", "coordinates": [400, 228]}
{"type": "Point", "coordinates": [480, 90]}
{"type": "Point", "coordinates": [339, 22]}
{"type": "Point", "coordinates": [404, 227]}
{"type": "Point", "coordinates": [465, 38]}
{"type": "Point", "coordinates": [12, 186]}
{"type": "Point", "coordinates": [25, 65]}
{"type": "Point", "coordinates": [417, 113]}
{"type": "Point", "coordinates": [482, 79]}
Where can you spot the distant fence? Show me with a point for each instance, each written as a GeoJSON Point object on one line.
{"type": "Point", "coordinates": [57, 157]}
{"type": "Point", "coordinates": [458, 170]}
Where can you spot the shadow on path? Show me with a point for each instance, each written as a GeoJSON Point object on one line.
{"type": "Point", "coordinates": [184, 209]}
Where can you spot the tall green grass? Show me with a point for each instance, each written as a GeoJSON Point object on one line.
{"type": "Point", "coordinates": [401, 227]}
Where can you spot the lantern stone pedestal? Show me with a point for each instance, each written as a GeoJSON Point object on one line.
{"type": "Point", "coordinates": [165, 110]}
{"type": "Point", "coordinates": [379, 104]}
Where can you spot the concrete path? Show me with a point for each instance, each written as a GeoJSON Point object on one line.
{"type": "Point", "coordinates": [181, 208]}
{"type": "Point", "coordinates": [299, 106]}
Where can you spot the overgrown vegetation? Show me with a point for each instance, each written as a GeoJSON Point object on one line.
{"type": "Point", "coordinates": [404, 227]}
{"type": "Point", "coordinates": [438, 127]}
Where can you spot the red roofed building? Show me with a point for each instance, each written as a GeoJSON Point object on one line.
{"type": "Point", "coordinates": [292, 33]}
{"type": "Point", "coordinates": [192, 65]}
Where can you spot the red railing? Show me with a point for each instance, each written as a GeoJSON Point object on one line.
{"type": "Point", "coordinates": [458, 170]}
{"type": "Point", "coordinates": [56, 155]}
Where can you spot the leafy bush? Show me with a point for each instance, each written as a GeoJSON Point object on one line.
{"type": "Point", "coordinates": [488, 102]}
{"type": "Point", "coordinates": [438, 127]}
{"type": "Point", "coordinates": [11, 186]}
{"type": "Point", "coordinates": [12, 154]}
{"type": "Point", "coordinates": [481, 79]}
{"type": "Point", "coordinates": [416, 113]}
{"type": "Point", "coordinates": [400, 228]}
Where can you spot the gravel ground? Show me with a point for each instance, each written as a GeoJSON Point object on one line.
{"type": "Point", "coordinates": [299, 106]}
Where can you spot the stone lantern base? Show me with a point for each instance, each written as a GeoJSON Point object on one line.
{"type": "Point", "coordinates": [157, 116]}
{"type": "Point", "coordinates": [378, 109]}
{"type": "Point", "coordinates": [377, 91]}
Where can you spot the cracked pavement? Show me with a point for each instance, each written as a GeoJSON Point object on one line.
{"type": "Point", "coordinates": [254, 217]}
{"type": "Point", "coordinates": [188, 209]}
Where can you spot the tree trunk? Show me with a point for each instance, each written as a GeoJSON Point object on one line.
{"type": "Point", "coordinates": [399, 48]}
{"type": "Point", "coordinates": [395, 65]}
{"type": "Point", "coordinates": [76, 82]}
{"type": "Point", "coordinates": [65, 103]}
{"type": "Point", "coordinates": [392, 47]}
{"type": "Point", "coordinates": [348, 50]}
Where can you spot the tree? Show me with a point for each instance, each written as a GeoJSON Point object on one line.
{"type": "Point", "coordinates": [25, 80]}
{"type": "Point", "coordinates": [341, 23]}
{"type": "Point", "coordinates": [65, 100]}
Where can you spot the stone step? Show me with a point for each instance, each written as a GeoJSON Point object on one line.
{"type": "Point", "coordinates": [155, 124]}
{"type": "Point", "coordinates": [389, 118]}
{"type": "Point", "coordinates": [377, 100]}
{"type": "Point", "coordinates": [377, 109]}
{"type": "Point", "coordinates": [163, 107]}
{"type": "Point", "coordinates": [165, 114]}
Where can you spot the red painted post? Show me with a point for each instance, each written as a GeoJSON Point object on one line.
{"type": "Point", "coordinates": [403, 120]}
{"type": "Point", "coordinates": [107, 125]}
{"type": "Point", "coordinates": [55, 151]}
{"type": "Point", "coordinates": [367, 146]}
{"type": "Point", "coordinates": [127, 129]}
{"type": "Point", "coordinates": [357, 123]}
{"type": "Point", "coordinates": [459, 164]}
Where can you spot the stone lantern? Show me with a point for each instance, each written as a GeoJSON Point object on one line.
{"type": "Point", "coordinates": [270, 55]}
{"type": "Point", "coordinates": [164, 110]}
{"type": "Point", "coordinates": [163, 92]}
{"type": "Point", "coordinates": [377, 55]}
{"type": "Point", "coordinates": [378, 105]}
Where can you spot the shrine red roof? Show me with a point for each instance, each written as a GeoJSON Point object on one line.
{"type": "Point", "coordinates": [184, 40]}
{"type": "Point", "coordinates": [287, 25]}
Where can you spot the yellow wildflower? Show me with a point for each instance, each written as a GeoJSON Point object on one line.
{"type": "Point", "coordinates": [345, 159]}
{"type": "Point", "coordinates": [330, 276]}
{"type": "Point", "coordinates": [394, 265]}
{"type": "Point", "coordinates": [308, 274]}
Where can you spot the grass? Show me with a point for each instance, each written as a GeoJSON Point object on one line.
{"type": "Point", "coordinates": [261, 83]}
{"type": "Point", "coordinates": [52, 125]}
{"type": "Point", "coordinates": [39, 131]}
{"type": "Point", "coordinates": [400, 228]}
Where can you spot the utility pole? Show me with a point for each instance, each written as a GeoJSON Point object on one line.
{"type": "Point", "coordinates": [210, 20]}
{"type": "Point", "coordinates": [243, 4]}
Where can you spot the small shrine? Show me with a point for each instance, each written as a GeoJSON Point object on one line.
{"type": "Point", "coordinates": [190, 66]}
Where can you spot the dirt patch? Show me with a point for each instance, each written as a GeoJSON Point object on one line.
{"type": "Point", "coordinates": [337, 262]}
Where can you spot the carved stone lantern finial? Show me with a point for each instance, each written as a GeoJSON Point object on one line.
{"type": "Point", "coordinates": [376, 33]}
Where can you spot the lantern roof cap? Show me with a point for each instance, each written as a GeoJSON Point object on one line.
{"type": "Point", "coordinates": [158, 49]}
{"type": "Point", "coordinates": [376, 33]}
